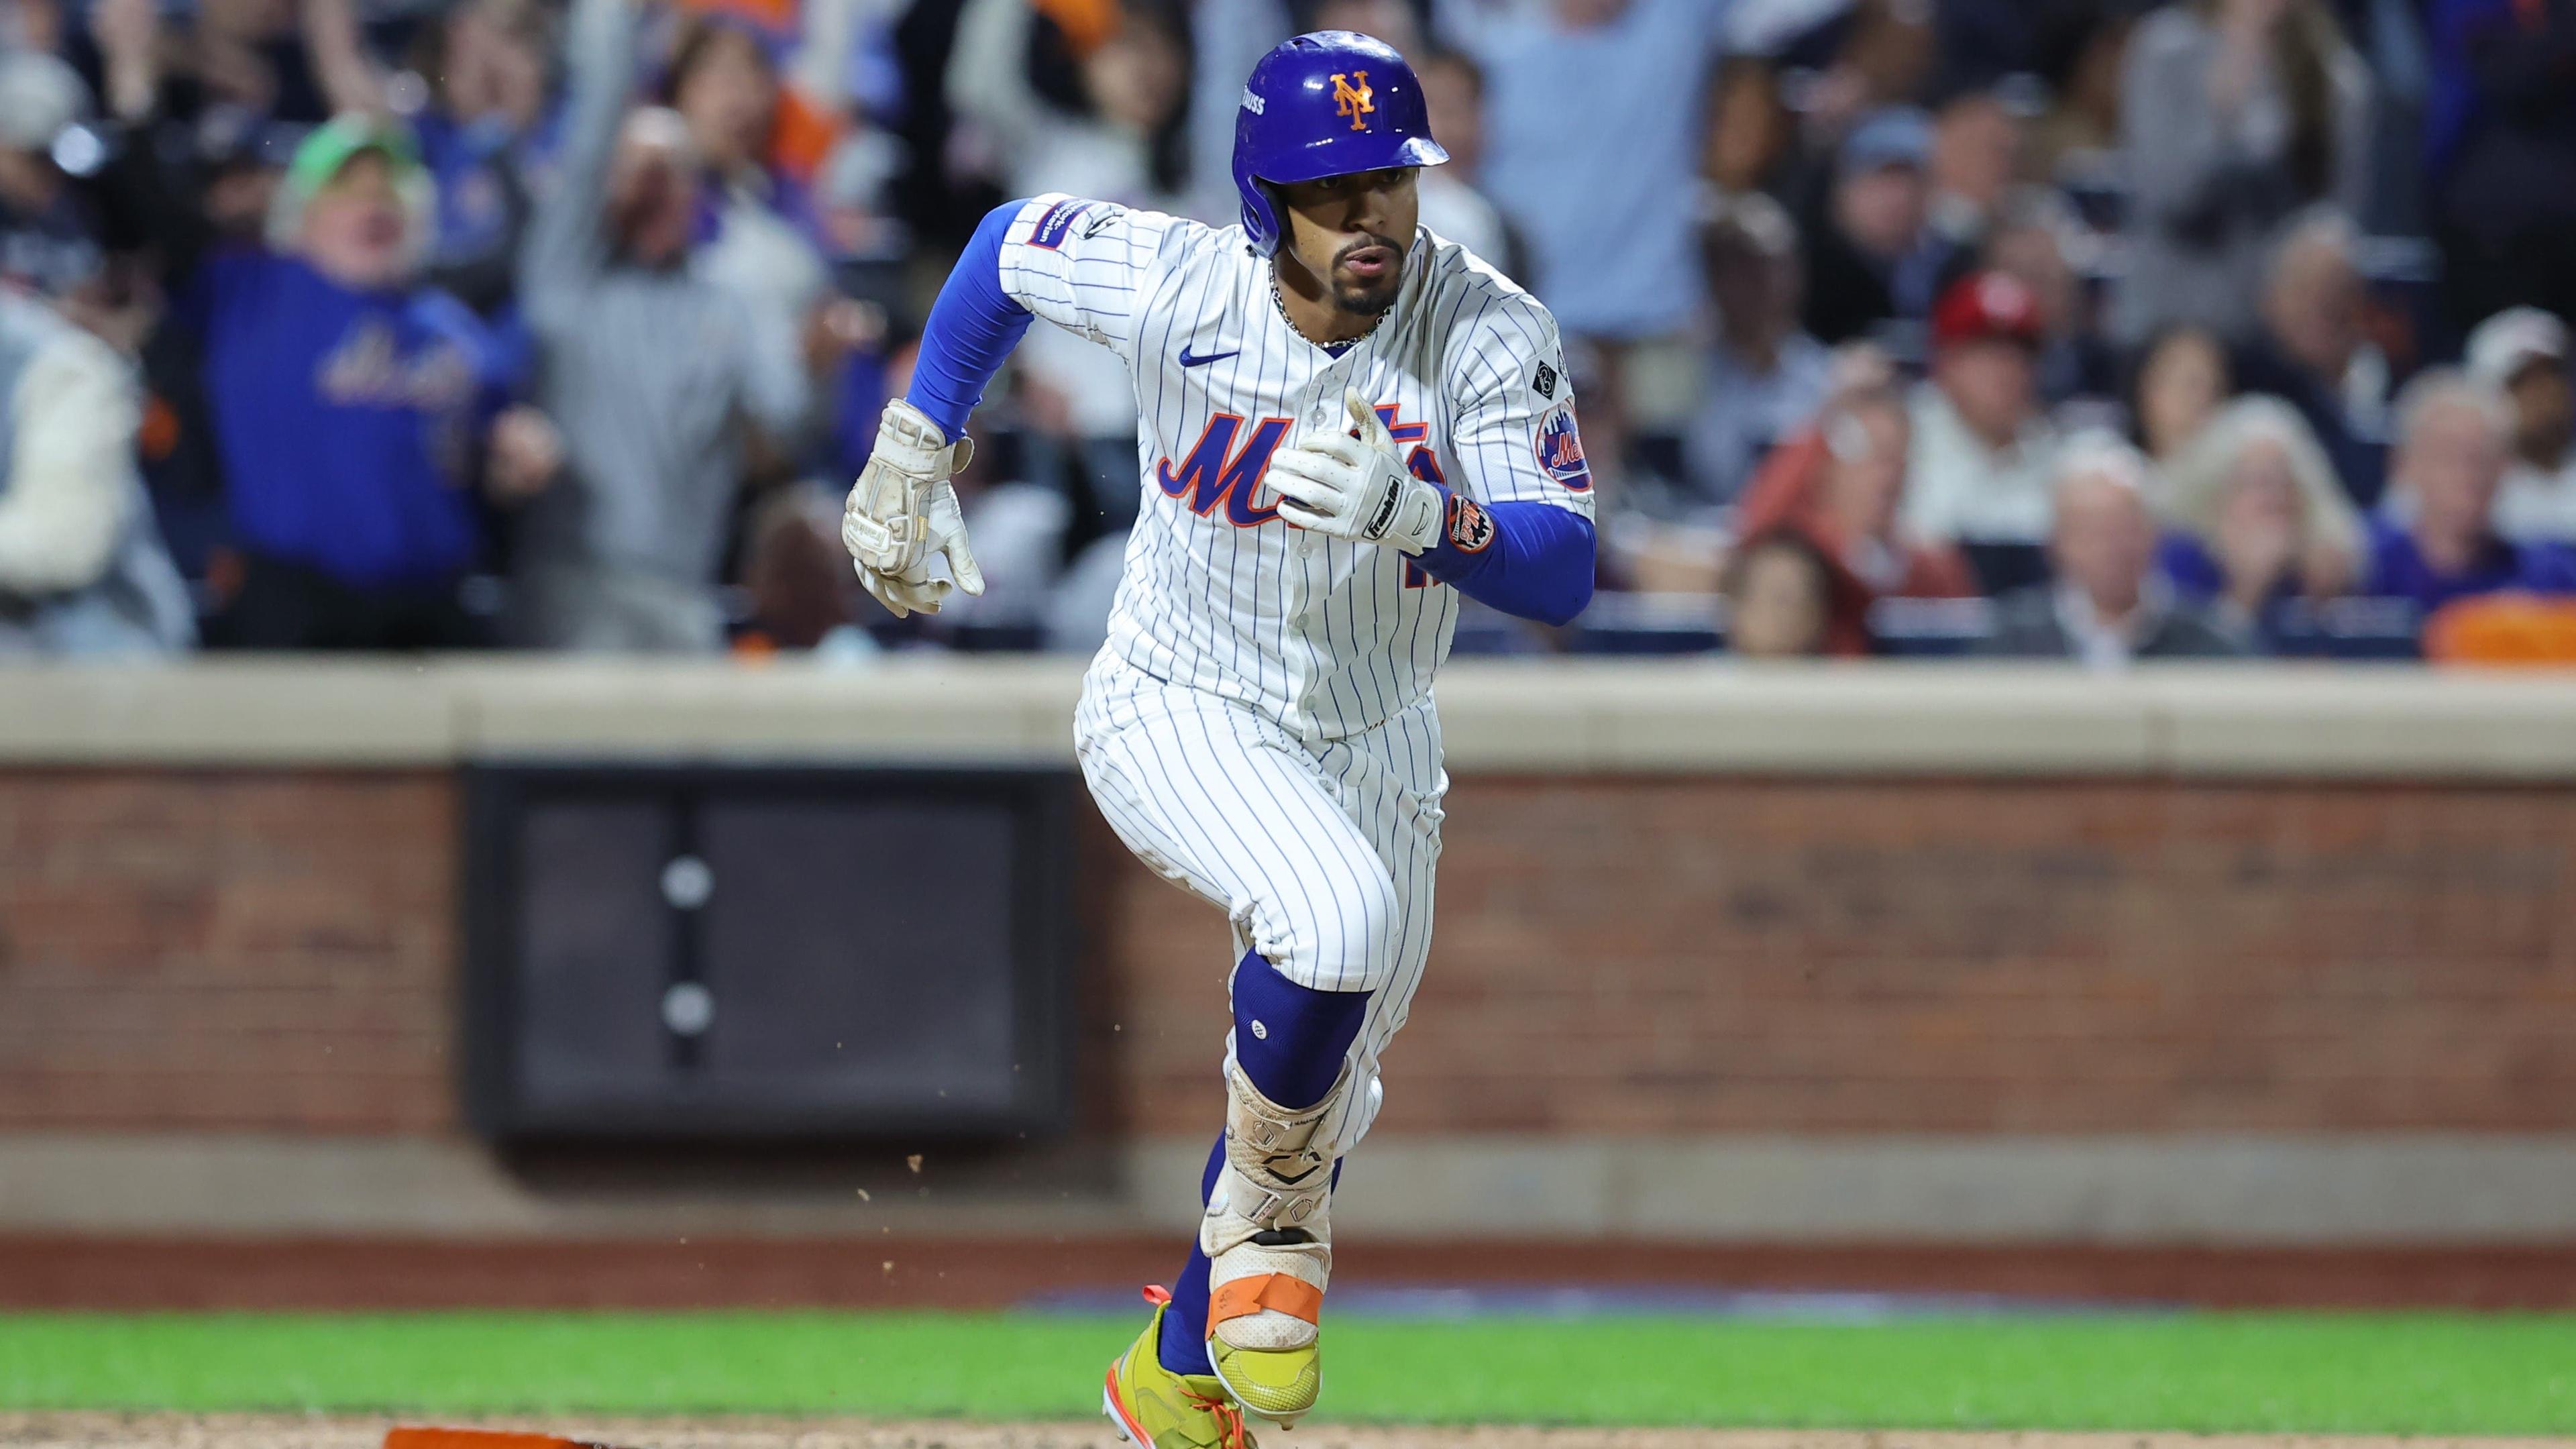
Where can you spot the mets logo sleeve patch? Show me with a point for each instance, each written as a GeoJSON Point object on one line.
{"type": "Point", "coordinates": [1471, 528]}
{"type": "Point", "coordinates": [1560, 448]}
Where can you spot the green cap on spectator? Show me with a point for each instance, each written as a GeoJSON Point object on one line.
{"type": "Point", "coordinates": [332, 147]}
{"type": "Point", "coordinates": [342, 140]}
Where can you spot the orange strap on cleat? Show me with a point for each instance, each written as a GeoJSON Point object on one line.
{"type": "Point", "coordinates": [1279, 1292]}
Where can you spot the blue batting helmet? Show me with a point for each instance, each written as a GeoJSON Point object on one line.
{"type": "Point", "coordinates": [1325, 104]}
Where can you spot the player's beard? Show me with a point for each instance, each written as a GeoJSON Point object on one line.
{"type": "Point", "coordinates": [1367, 297]}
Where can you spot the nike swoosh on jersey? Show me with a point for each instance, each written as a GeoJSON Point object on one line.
{"type": "Point", "coordinates": [1189, 361]}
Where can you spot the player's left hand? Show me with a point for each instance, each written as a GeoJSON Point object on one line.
{"type": "Point", "coordinates": [903, 512]}
{"type": "Point", "coordinates": [915, 589]}
{"type": "Point", "coordinates": [1354, 486]}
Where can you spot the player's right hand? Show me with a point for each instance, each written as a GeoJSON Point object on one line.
{"type": "Point", "coordinates": [1352, 485]}
{"type": "Point", "coordinates": [903, 511]}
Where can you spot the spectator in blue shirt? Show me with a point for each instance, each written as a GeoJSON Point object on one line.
{"type": "Point", "coordinates": [481, 137]}
{"type": "Point", "coordinates": [352, 409]}
{"type": "Point", "coordinates": [2260, 527]}
{"type": "Point", "coordinates": [2440, 543]}
{"type": "Point", "coordinates": [1592, 132]}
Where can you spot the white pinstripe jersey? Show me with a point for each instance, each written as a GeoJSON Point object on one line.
{"type": "Point", "coordinates": [1327, 636]}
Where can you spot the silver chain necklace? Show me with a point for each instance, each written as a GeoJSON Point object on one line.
{"type": "Point", "coordinates": [1279, 300]}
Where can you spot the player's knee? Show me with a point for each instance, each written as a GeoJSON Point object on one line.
{"type": "Point", "coordinates": [1348, 942]}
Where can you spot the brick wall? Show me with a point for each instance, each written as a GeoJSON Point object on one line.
{"type": "Point", "coordinates": [226, 950]}
{"type": "Point", "coordinates": [271, 950]}
{"type": "Point", "coordinates": [1732, 955]}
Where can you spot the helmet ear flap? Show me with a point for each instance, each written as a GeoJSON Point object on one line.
{"type": "Point", "coordinates": [1278, 228]}
{"type": "Point", "coordinates": [1264, 223]}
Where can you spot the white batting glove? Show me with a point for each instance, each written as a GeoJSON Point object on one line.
{"type": "Point", "coordinates": [903, 510]}
{"type": "Point", "coordinates": [903, 597]}
{"type": "Point", "coordinates": [1356, 487]}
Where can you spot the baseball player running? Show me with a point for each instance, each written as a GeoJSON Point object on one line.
{"type": "Point", "coordinates": [1348, 422]}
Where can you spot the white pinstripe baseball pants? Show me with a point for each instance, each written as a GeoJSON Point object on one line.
{"type": "Point", "coordinates": [1321, 855]}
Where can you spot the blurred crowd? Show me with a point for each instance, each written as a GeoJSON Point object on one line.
{"type": "Point", "coordinates": [2093, 329]}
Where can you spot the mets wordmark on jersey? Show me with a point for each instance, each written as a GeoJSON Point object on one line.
{"type": "Point", "coordinates": [1328, 637]}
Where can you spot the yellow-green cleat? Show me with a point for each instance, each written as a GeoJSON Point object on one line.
{"type": "Point", "coordinates": [1278, 1384]}
{"type": "Point", "coordinates": [1155, 1408]}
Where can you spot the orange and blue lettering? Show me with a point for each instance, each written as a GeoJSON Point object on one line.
{"type": "Point", "coordinates": [1216, 471]}
{"type": "Point", "coordinates": [1419, 462]}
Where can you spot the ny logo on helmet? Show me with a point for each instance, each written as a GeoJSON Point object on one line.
{"type": "Point", "coordinates": [1355, 101]}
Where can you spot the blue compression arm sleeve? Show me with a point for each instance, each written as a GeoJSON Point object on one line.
{"type": "Point", "coordinates": [1538, 566]}
{"type": "Point", "coordinates": [972, 328]}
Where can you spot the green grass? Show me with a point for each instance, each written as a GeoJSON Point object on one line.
{"type": "Point", "coordinates": [2394, 1373]}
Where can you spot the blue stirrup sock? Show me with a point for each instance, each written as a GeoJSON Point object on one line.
{"type": "Point", "coordinates": [1183, 1349]}
{"type": "Point", "coordinates": [1290, 1041]}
